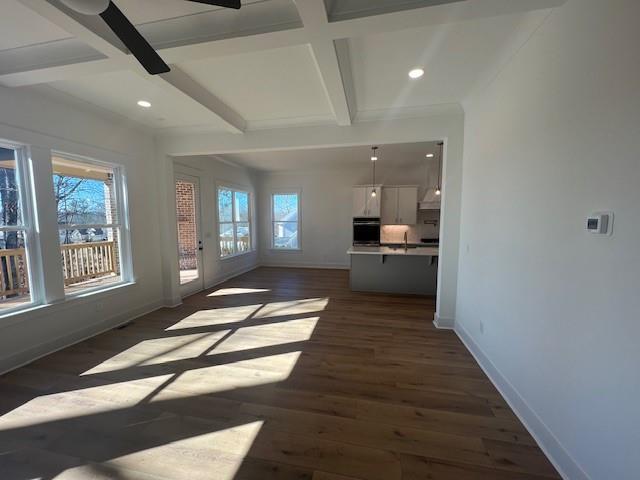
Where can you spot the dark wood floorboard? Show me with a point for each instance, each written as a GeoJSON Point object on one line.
{"type": "Point", "coordinates": [277, 374]}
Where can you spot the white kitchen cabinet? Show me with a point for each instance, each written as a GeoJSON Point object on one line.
{"type": "Point", "coordinates": [399, 206]}
{"type": "Point", "coordinates": [389, 207]}
{"type": "Point", "coordinates": [364, 205]}
{"type": "Point", "coordinates": [359, 201]}
{"type": "Point", "coordinates": [373, 203]}
{"type": "Point", "coordinates": [407, 205]}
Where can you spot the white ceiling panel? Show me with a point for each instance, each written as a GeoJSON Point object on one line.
{"type": "Point", "coordinates": [119, 93]}
{"type": "Point", "coordinates": [146, 11]}
{"type": "Point", "coordinates": [20, 27]}
{"type": "Point", "coordinates": [263, 86]}
{"type": "Point", "coordinates": [455, 57]}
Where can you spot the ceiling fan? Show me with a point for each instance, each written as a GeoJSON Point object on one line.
{"type": "Point", "coordinates": [128, 34]}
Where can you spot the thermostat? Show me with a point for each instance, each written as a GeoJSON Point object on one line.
{"type": "Point", "coordinates": [600, 223]}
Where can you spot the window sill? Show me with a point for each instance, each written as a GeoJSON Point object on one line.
{"type": "Point", "coordinates": [96, 291]}
{"type": "Point", "coordinates": [28, 312]}
{"type": "Point", "coordinates": [285, 250]}
{"type": "Point", "coordinates": [237, 255]}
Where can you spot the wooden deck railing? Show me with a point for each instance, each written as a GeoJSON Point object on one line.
{"type": "Point", "coordinates": [226, 245]}
{"type": "Point", "coordinates": [80, 262]}
{"type": "Point", "coordinates": [13, 272]}
{"type": "Point", "coordinates": [84, 261]}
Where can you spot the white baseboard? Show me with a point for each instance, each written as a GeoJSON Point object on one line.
{"type": "Point", "coordinates": [564, 463]}
{"type": "Point", "coordinates": [32, 354]}
{"type": "Point", "coordinates": [324, 266]}
{"type": "Point", "coordinates": [173, 302]}
{"type": "Point", "coordinates": [443, 323]}
{"type": "Point", "coordinates": [229, 275]}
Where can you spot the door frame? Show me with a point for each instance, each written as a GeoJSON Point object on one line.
{"type": "Point", "coordinates": [196, 285]}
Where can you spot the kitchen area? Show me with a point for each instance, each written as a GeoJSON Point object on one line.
{"type": "Point", "coordinates": [396, 231]}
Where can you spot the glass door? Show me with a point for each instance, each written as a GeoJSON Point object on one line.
{"type": "Point", "coordinates": [189, 241]}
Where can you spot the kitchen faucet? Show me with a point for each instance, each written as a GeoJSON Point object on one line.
{"type": "Point", "coordinates": [406, 247]}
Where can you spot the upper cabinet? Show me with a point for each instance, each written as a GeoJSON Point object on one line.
{"type": "Point", "coordinates": [365, 205]}
{"type": "Point", "coordinates": [399, 206]}
{"type": "Point", "coordinates": [408, 205]}
{"type": "Point", "coordinates": [359, 201]}
{"type": "Point", "coordinates": [373, 203]}
{"type": "Point", "coordinates": [389, 207]}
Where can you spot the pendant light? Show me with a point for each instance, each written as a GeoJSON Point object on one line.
{"type": "Point", "coordinates": [432, 196]}
{"type": "Point", "coordinates": [374, 159]}
{"type": "Point", "coordinates": [438, 188]}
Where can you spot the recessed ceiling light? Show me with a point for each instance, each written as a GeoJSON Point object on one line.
{"type": "Point", "coordinates": [416, 73]}
{"type": "Point", "coordinates": [430, 155]}
{"type": "Point", "coordinates": [144, 104]}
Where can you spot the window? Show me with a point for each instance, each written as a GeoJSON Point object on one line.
{"type": "Point", "coordinates": [90, 222]}
{"type": "Point", "coordinates": [234, 221]}
{"type": "Point", "coordinates": [188, 216]}
{"type": "Point", "coordinates": [285, 218]}
{"type": "Point", "coordinates": [15, 230]}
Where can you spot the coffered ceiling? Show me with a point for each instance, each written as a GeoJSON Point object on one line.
{"type": "Point", "coordinates": [274, 63]}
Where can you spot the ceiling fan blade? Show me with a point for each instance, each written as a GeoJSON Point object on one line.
{"type": "Point", "coordinates": [220, 3]}
{"type": "Point", "coordinates": [137, 45]}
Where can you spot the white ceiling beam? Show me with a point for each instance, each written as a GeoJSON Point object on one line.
{"type": "Point", "coordinates": [328, 41]}
{"type": "Point", "coordinates": [55, 73]}
{"type": "Point", "coordinates": [442, 123]}
{"type": "Point", "coordinates": [326, 60]}
{"type": "Point", "coordinates": [434, 15]}
{"type": "Point", "coordinates": [314, 18]}
{"type": "Point", "coordinates": [175, 81]}
{"type": "Point", "coordinates": [386, 22]}
{"type": "Point", "coordinates": [172, 55]}
{"type": "Point", "coordinates": [185, 85]}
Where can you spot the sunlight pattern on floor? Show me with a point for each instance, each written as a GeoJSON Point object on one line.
{"type": "Point", "coordinates": [236, 291]}
{"type": "Point", "coordinates": [303, 380]}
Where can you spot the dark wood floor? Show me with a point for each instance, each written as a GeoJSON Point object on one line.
{"type": "Point", "coordinates": [277, 374]}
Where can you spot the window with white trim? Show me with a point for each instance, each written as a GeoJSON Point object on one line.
{"type": "Point", "coordinates": [16, 230]}
{"type": "Point", "coordinates": [234, 221]}
{"type": "Point", "coordinates": [91, 223]}
{"type": "Point", "coordinates": [285, 220]}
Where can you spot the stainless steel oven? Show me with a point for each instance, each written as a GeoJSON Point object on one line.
{"type": "Point", "coordinates": [366, 231]}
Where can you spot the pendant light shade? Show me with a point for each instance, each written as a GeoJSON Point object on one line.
{"type": "Point", "coordinates": [432, 196]}
{"type": "Point", "coordinates": [374, 159]}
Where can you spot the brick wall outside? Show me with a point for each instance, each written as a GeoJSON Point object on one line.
{"type": "Point", "coordinates": [111, 213]}
{"type": "Point", "coordinates": [187, 232]}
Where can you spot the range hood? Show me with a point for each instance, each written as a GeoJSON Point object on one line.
{"type": "Point", "coordinates": [431, 200]}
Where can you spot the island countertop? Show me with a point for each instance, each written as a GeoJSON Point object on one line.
{"type": "Point", "coordinates": [417, 251]}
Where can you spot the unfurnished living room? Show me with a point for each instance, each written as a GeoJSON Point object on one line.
{"type": "Point", "coordinates": [319, 239]}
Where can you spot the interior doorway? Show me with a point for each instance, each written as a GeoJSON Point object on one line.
{"type": "Point", "coordinates": [188, 220]}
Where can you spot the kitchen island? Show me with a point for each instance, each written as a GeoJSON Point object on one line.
{"type": "Point", "coordinates": [385, 269]}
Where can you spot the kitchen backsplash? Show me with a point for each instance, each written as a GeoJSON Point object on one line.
{"type": "Point", "coordinates": [395, 233]}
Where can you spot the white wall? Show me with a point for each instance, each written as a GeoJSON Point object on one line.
{"type": "Point", "coordinates": [553, 138]}
{"type": "Point", "coordinates": [211, 173]}
{"type": "Point", "coordinates": [44, 124]}
{"type": "Point", "coordinates": [326, 199]}
{"type": "Point", "coordinates": [443, 123]}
